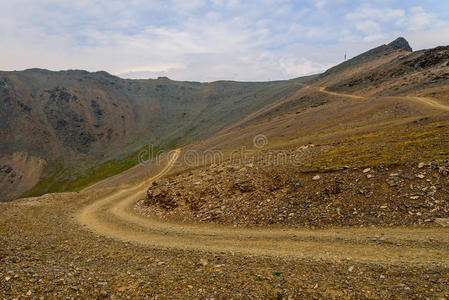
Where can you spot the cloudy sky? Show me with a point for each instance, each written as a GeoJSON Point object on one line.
{"type": "Point", "coordinates": [206, 40]}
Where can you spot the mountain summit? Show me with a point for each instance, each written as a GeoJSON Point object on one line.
{"type": "Point", "coordinates": [401, 43]}
{"type": "Point", "coordinates": [396, 48]}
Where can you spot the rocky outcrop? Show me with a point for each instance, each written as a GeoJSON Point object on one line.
{"type": "Point", "coordinates": [400, 43]}
{"type": "Point", "coordinates": [18, 173]}
{"type": "Point", "coordinates": [249, 195]}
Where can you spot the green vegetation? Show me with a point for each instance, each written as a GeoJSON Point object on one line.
{"type": "Point", "coordinates": [409, 143]}
{"type": "Point", "coordinates": [81, 115]}
{"type": "Point", "coordinates": [176, 143]}
{"type": "Point", "coordinates": [71, 179]}
{"type": "Point", "coordinates": [179, 278]}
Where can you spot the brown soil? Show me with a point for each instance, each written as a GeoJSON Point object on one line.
{"type": "Point", "coordinates": [260, 195]}
{"type": "Point", "coordinates": [18, 173]}
{"type": "Point", "coordinates": [201, 235]}
{"type": "Point", "coordinates": [45, 254]}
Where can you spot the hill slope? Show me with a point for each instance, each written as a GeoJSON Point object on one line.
{"type": "Point", "coordinates": [76, 127]}
{"type": "Point", "coordinates": [362, 138]}
{"type": "Point", "coordinates": [329, 155]}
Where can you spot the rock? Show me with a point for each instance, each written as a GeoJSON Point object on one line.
{"type": "Point", "coordinates": [366, 170]}
{"type": "Point", "coordinates": [7, 278]}
{"type": "Point", "coordinates": [420, 176]}
{"type": "Point", "coordinates": [421, 165]}
{"type": "Point", "coordinates": [351, 268]}
{"type": "Point", "coordinates": [29, 293]}
{"type": "Point", "coordinates": [339, 211]}
{"type": "Point", "coordinates": [204, 262]}
{"type": "Point", "coordinates": [104, 293]}
{"type": "Point", "coordinates": [400, 43]}
{"type": "Point", "coordinates": [316, 177]}
{"type": "Point", "coordinates": [442, 221]}
{"type": "Point", "coordinates": [414, 197]}
{"type": "Point", "coordinates": [443, 171]}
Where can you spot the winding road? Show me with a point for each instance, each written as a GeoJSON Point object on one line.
{"type": "Point", "coordinates": [112, 215]}
{"type": "Point", "coordinates": [421, 100]}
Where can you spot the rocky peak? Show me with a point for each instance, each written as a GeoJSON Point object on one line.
{"type": "Point", "coordinates": [400, 43]}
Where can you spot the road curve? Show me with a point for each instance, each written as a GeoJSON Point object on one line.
{"type": "Point", "coordinates": [421, 100]}
{"type": "Point", "coordinates": [323, 90]}
{"type": "Point", "coordinates": [112, 215]}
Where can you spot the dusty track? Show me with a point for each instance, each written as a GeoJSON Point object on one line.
{"type": "Point", "coordinates": [113, 216]}
{"type": "Point", "coordinates": [420, 100]}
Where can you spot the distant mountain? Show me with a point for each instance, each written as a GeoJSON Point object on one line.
{"type": "Point", "coordinates": [64, 130]}
{"type": "Point", "coordinates": [69, 123]}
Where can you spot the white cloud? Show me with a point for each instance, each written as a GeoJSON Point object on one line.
{"type": "Point", "coordinates": [374, 37]}
{"type": "Point", "coordinates": [204, 39]}
{"type": "Point", "coordinates": [438, 36]}
{"type": "Point", "coordinates": [368, 27]}
{"type": "Point", "coordinates": [233, 3]}
{"type": "Point", "coordinates": [217, 2]}
{"type": "Point", "coordinates": [381, 14]}
{"type": "Point", "coordinates": [184, 6]}
{"type": "Point", "coordinates": [320, 4]}
{"type": "Point", "coordinates": [419, 18]}
{"type": "Point", "coordinates": [295, 67]}
{"type": "Point", "coordinates": [155, 68]}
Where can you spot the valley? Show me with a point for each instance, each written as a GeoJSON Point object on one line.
{"type": "Point", "coordinates": [330, 186]}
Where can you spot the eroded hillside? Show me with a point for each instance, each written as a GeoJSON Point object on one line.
{"type": "Point", "coordinates": [349, 152]}
{"type": "Point", "coordinates": [87, 126]}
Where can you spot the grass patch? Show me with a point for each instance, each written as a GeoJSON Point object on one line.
{"type": "Point", "coordinates": [72, 179]}
{"type": "Point", "coordinates": [403, 144]}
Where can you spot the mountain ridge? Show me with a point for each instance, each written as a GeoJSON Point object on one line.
{"type": "Point", "coordinates": [83, 124]}
{"type": "Point", "coordinates": [77, 119]}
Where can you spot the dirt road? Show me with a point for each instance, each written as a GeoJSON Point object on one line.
{"type": "Point", "coordinates": [421, 100]}
{"type": "Point", "coordinates": [113, 216]}
{"type": "Point", "coordinates": [45, 253]}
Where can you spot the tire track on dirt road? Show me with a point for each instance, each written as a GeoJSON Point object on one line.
{"type": "Point", "coordinates": [112, 215]}
{"type": "Point", "coordinates": [422, 100]}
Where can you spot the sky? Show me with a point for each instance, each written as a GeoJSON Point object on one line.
{"type": "Point", "coordinates": [208, 40]}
